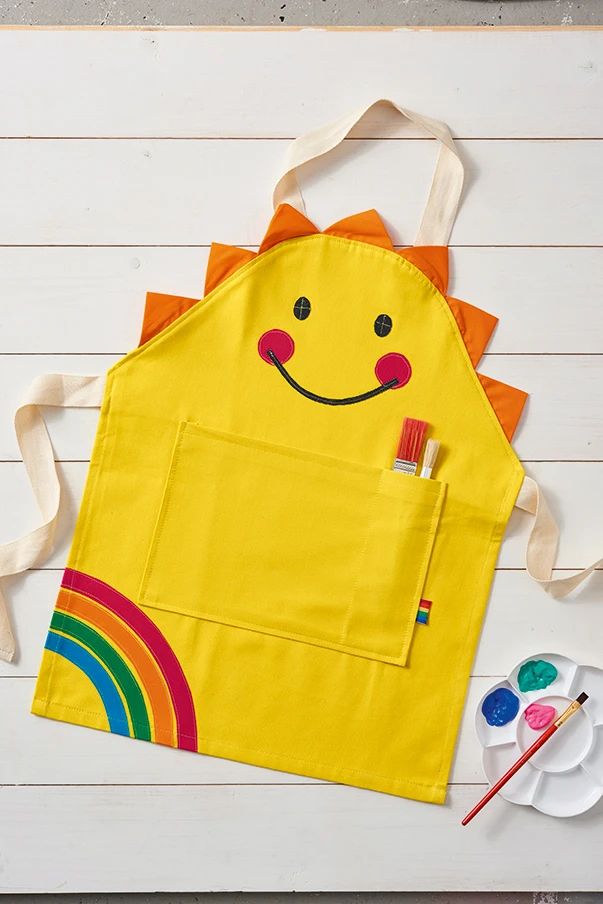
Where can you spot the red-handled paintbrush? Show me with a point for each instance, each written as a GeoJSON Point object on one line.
{"type": "Point", "coordinates": [411, 445]}
{"type": "Point", "coordinates": [528, 754]}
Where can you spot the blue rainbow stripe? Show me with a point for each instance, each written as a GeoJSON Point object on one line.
{"type": "Point", "coordinates": [98, 675]}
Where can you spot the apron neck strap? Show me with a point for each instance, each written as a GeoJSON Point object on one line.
{"type": "Point", "coordinates": [447, 184]}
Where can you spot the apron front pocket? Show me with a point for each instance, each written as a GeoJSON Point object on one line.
{"type": "Point", "coordinates": [295, 544]}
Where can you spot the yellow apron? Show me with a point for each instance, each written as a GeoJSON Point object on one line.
{"type": "Point", "coordinates": [247, 568]}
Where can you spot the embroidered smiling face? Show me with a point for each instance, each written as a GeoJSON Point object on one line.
{"type": "Point", "coordinates": [329, 339]}
{"type": "Point", "coordinates": [346, 320]}
{"type": "Point", "coordinates": [339, 343]}
{"type": "Point", "coordinates": [392, 370]}
{"type": "Point", "coordinates": [340, 317]}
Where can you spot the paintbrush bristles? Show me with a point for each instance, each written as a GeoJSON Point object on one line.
{"type": "Point", "coordinates": [432, 447]}
{"type": "Point", "coordinates": [411, 441]}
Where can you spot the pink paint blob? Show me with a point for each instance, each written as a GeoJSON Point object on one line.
{"type": "Point", "coordinates": [393, 366]}
{"type": "Point", "coordinates": [538, 715]}
{"type": "Point", "coordinates": [277, 341]}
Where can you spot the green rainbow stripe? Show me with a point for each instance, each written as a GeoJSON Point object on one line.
{"type": "Point", "coordinates": [116, 665]}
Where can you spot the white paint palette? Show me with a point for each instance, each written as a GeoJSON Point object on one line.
{"type": "Point", "coordinates": [565, 777]}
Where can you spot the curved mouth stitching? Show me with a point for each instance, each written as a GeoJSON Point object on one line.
{"type": "Point", "coordinates": [350, 400]}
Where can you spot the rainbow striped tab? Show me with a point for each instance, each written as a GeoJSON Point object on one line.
{"type": "Point", "coordinates": [423, 613]}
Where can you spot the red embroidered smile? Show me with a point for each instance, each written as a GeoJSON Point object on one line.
{"type": "Point", "coordinates": [392, 370]}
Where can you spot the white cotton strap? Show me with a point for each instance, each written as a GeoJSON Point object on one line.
{"type": "Point", "coordinates": [542, 543]}
{"type": "Point", "coordinates": [446, 187]}
{"type": "Point", "coordinates": [55, 390]}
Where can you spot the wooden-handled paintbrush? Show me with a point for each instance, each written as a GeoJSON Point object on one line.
{"type": "Point", "coordinates": [432, 449]}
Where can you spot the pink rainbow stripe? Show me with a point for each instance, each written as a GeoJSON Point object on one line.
{"type": "Point", "coordinates": [151, 635]}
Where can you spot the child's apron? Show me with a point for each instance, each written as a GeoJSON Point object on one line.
{"type": "Point", "coordinates": [247, 568]}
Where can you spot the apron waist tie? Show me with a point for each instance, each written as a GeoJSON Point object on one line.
{"type": "Point", "coordinates": [58, 391]}
{"type": "Point", "coordinates": [542, 543]}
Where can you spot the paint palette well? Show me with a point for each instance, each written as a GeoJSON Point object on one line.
{"type": "Point", "coordinates": [565, 777]}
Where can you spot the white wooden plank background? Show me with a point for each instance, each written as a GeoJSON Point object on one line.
{"type": "Point", "coordinates": [243, 84]}
{"type": "Point", "coordinates": [122, 155]}
{"type": "Point", "coordinates": [170, 192]}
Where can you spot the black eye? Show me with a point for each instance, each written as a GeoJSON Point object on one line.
{"type": "Point", "coordinates": [302, 308]}
{"type": "Point", "coordinates": [383, 324]}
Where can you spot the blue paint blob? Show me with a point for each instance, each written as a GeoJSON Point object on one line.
{"type": "Point", "coordinates": [500, 707]}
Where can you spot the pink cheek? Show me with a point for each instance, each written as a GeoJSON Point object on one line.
{"type": "Point", "coordinates": [276, 341]}
{"type": "Point", "coordinates": [393, 366]}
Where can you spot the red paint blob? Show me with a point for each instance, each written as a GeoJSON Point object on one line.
{"type": "Point", "coordinates": [276, 341]}
{"type": "Point", "coordinates": [393, 366]}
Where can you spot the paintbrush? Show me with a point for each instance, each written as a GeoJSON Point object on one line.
{"type": "Point", "coordinates": [410, 446]}
{"type": "Point", "coordinates": [432, 448]}
{"type": "Point", "coordinates": [528, 754]}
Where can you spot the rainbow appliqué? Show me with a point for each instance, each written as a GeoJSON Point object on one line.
{"type": "Point", "coordinates": [423, 612]}
{"type": "Point", "coordinates": [126, 657]}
